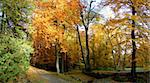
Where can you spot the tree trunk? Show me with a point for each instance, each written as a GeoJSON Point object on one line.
{"type": "Point", "coordinates": [57, 59]}
{"type": "Point", "coordinates": [65, 63]}
{"type": "Point", "coordinates": [119, 52]}
{"type": "Point", "coordinates": [88, 66]}
{"type": "Point", "coordinates": [2, 22]}
{"type": "Point", "coordinates": [93, 54]}
{"type": "Point", "coordinates": [57, 64]}
{"type": "Point", "coordinates": [62, 64]}
{"type": "Point", "coordinates": [114, 59]}
{"type": "Point", "coordinates": [124, 58]}
{"type": "Point", "coordinates": [133, 69]}
{"type": "Point", "coordinates": [80, 44]}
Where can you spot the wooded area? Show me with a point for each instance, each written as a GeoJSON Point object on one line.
{"type": "Point", "coordinates": [64, 35]}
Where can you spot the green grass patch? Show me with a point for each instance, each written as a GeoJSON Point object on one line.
{"type": "Point", "coordinates": [105, 68]}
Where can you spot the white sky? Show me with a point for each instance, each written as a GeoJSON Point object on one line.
{"type": "Point", "coordinates": [106, 11]}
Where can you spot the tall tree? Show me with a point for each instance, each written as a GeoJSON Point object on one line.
{"type": "Point", "coordinates": [51, 20]}
{"type": "Point", "coordinates": [87, 15]}
{"type": "Point", "coordinates": [136, 8]}
{"type": "Point", "coordinates": [80, 43]}
{"type": "Point", "coordinates": [15, 49]}
{"type": "Point", "coordinates": [133, 69]}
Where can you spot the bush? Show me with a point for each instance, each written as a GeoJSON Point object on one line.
{"type": "Point", "coordinates": [14, 57]}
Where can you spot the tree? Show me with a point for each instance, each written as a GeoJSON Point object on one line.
{"type": "Point", "coordinates": [137, 8]}
{"type": "Point", "coordinates": [14, 16]}
{"type": "Point", "coordinates": [80, 44]}
{"type": "Point", "coordinates": [102, 49]}
{"type": "Point", "coordinates": [87, 17]}
{"type": "Point", "coordinates": [51, 20]}
{"type": "Point", "coordinates": [133, 70]}
{"type": "Point", "coordinates": [143, 54]}
{"type": "Point", "coordinates": [15, 49]}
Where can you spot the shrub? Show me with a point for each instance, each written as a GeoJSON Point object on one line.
{"type": "Point", "coordinates": [14, 57]}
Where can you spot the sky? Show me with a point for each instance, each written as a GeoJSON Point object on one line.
{"type": "Point", "coordinates": [106, 11]}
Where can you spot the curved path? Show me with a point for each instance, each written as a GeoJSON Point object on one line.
{"type": "Point", "coordinates": [48, 76]}
{"type": "Point", "coordinates": [52, 79]}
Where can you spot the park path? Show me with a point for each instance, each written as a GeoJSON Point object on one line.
{"type": "Point", "coordinates": [51, 78]}
{"type": "Point", "coordinates": [41, 75]}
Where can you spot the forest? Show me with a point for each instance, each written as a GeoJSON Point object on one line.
{"type": "Point", "coordinates": [74, 41]}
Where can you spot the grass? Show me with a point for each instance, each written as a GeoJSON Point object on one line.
{"type": "Point", "coordinates": [78, 75]}
{"type": "Point", "coordinates": [105, 68]}
{"type": "Point", "coordinates": [138, 69]}
{"type": "Point", "coordinates": [69, 78]}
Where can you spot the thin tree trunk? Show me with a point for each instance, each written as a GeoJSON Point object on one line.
{"type": "Point", "coordinates": [65, 63]}
{"type": "Point", "coordinates": [79, 38]}
{"type": "Point", "coordinates": [93, 54]}
{"type": "Point", "coordinates": [57, 64]}
{"type": "Point", "coordinates": [88, 66]}
{"type": "Point", "coordinates": [2, 22]}
{"type": "Point", "coordinates": [124, 58]}
{"type": "Point", "coordinates": [119, 52]}
{"type": "Point", "coordinates": [114, 59]}
{"type": "Point", "coordinates": [57, 59]}
{"type": "Point", "coordinates": [62, 64]}
{"type": "Point", "coordinates": [133, 69]}
{"type": "Point", "coordinates": [118, 63]}
{"type": "Point", "coordinates": [68, 66]}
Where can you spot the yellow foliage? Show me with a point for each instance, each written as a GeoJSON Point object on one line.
{"type": "Point", "coordinates": [49, 20]}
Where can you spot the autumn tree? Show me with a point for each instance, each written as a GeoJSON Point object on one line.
{"type": "Point", "coordinates": [100, 47]}
{"type": "Point", "coordinates": [88, 15]}
{"type": "Point", "coordinates": [136, 13]}
{"type": "Point", "coordinates": [52, 19]}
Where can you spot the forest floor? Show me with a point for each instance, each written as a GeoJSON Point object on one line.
{"type": "Point", "coordinates": [35, 75]}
